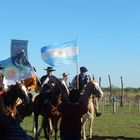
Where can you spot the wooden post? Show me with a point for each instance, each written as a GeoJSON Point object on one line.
{"type": "Point", "coordinates": [129, 106]}
{"type": "Point", "coordinates": [93, 77]}
{"type": "Point", "coordinates": [122, 94]}
{"type": "Point", "coordinates": [110, 87]}
{"type": "Point", "coordinates": [103, 104]}
{"type": "Point", "coordinates": [99, 81]}
{"type": "Point", "coordinates": [113, 105]}
{"type": "Point", "coordinates": [139, 105]}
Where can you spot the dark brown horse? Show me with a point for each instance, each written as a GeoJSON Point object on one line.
{"type": "Point", "coordinates": [45, 104]}
{"type": "Point", "coordinates": [24, 110]}
{"type": "Point", "coordinates": [10, 97]}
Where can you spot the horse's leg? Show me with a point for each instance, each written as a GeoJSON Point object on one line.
{"type": "Point", "coordinates": [90, 125]}
{"type": "Point", "coordinates": [84, 120]}
{"type": "Point", "coordinates": [46, 128]}
{"type": "Point", "coordinates": [36, 126]}
{"type": "Point", "coordinates": [91, 118]}
{"type": "Point", "coordinates": [50, 125]}
{"type": "Point", "coordinates": [41, 127]}
{"type": "Point", "coordinates": [56, 127]}
{"type": "Point", "coordinates": [33, 127]}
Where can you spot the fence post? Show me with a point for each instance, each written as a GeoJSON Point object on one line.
{"type": "Point", "coordinates": [103, 104]}
{"type": "Point", "coordinates": [139, 105]}
{"type": "Point", "coordinates": [110, 87]}
{"type": "Point", "coordinates": [122, 94]}
{"type": "Point", "coordinates": [129, 106]}
{"type": "Point", "coordinates": [114, 105]}
{"type": "Point", "coordinates": [99, 81]}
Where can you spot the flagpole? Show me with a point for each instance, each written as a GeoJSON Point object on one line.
{"type": "Point", "coordinates": [36, 76]}
{"type": "Point", "coordinates": [77, 79]}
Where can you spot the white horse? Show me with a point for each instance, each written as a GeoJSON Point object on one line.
{"type": "Point", "coordinates": [91, 91]}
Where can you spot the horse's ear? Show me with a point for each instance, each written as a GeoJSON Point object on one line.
{"type": "Point", "coordinates": [17, 82]}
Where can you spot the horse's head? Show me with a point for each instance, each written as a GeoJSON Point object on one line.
{"type": "Point", "coordinates": [14, 92]}
{"type": "Point", "coordinates": [59, 89]}
{"type": "Point", "coordinates": [92, 88]}
{"type": "Point", "coordinates": [22, 92]}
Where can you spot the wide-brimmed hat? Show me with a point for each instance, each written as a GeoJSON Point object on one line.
{"type": "Point", "coordinates": [83, 69]}
{"type": "Point", "coordinates": [65, 74]}
{"type": "Point", "coordinates": [1, 67]}
{"type": "Point", "coordinates": [50, 69]}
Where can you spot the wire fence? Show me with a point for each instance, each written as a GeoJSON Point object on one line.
{"type": "Point", "coordinates": [114, 106]}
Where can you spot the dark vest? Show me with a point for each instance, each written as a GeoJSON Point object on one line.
{"type": "Point", "coordinates": [83, 80]}
{"type": "Point", "coordinates": [50, 84]}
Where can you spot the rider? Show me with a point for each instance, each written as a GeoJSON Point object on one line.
{"type": "Point", "coordinates": [2, 81]}
{"type": "Point", "coordinates": [71, 114]}
{"type": "Point", "coordinates": [64, 81]}
{"type": "Point", "coordinates": [80, 81]}
{"type": "Point", "coordinates": [48, 80]}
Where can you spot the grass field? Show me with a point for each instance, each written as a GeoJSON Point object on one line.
{"type": "Point", "coordinates": [107, 126]}
{"type": "Point", "coordinates": [124, 124]}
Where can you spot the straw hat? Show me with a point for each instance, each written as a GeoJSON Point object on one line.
{"type": "Point", "coordinates": [65, 74]}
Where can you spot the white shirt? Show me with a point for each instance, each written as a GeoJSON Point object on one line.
{"type": "Point", "coordinates": [65, 84]}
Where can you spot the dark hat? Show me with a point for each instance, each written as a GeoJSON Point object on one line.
{"type": "Point", "coordinates": [74, 95]}
{"type": "Point", "coordinates": [1, 67]}
{"type": "Point", "coordinates": [65, 74]}
{"type": "Point", "coordinates": [83, 69]}
{"type": "Point", "coordinates": [50, 69]}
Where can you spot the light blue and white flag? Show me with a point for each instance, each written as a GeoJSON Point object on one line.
{"type": "Point", "coordinates": [65, 53]}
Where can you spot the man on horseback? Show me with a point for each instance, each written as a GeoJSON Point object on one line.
{"type": "Point", "coordinates": [3, 86]}
{"type": "Point", "coordinates": [48, 80]}
{"type": "Point", "coordinates": [80, 81]}
{"type": "Point", "coordinates": [64, 81]}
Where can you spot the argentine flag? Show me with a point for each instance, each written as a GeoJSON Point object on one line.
{"type": "Point", "coordinates": [65, 53]}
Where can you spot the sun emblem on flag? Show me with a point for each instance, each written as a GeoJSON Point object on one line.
{"type": "Point", "coordinates": [60, 53]}
{"type": "Point", "coordinates": [11, 72]}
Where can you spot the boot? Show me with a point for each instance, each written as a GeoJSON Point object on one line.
{"type": "Point", "coordinates": [98, 114]}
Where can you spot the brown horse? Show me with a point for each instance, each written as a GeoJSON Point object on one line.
{"type": "Point", "coordinates": [91, 91]}
{"type": "Point", "coordinates": [24, 110]}
{"type": "Point", "coordinates": [12, 94]}
{"type": "Point", "coordinates": [27, 110]}
{"type": "Point", "coordinates": [45, 104]}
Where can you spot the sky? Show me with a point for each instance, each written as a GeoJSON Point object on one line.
{"type": "Point", "coordinates": [107, 32]}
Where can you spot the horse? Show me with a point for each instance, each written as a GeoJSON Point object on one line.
{"type": "Point", "coordinates": [31, 83]}
{"type": "Point", "coordinates": [24, 110]}
{"type": "Point", "coordinates": [11, 95]}
{"type": "Point", "coordinates": [91, 91]}
{"type": "Point", "coordinates": [45, 104]}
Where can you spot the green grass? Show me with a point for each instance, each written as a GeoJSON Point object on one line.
{"type": "Point", "coordinates": [117, 125]}
{"type": "Point", "coordinates": [107, 125]}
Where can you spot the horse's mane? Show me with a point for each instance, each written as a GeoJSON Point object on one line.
{"type": "Point", "coordinates": [59, 88]}
{"type": "Point", "coordinates": [93, 88]}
